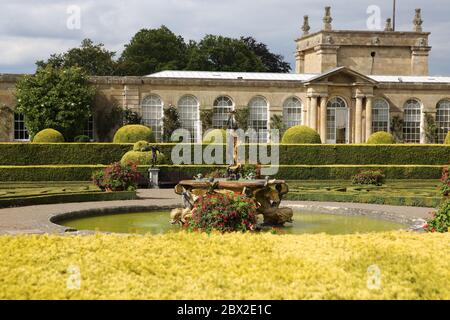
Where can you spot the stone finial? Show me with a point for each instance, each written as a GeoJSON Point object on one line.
{"type": "Point", "coordinates": [327, 19]}
{"type": "Point", "coordinates": [306, 26]}
{"type": "Point", "coordinates": [418, 21]}
{"type": "Point", "coordinates": [388, 26]}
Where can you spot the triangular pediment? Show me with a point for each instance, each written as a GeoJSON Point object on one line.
{"type": "Point", "coordinates": [343, 75]}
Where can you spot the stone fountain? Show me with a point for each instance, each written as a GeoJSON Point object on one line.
{"type": "Point", "coordinates": [267, 193]}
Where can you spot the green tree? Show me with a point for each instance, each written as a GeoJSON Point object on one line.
{"type": "Point", "coordinates": [153, 50]}
{"type": "Point", "coordinates": [57, 98]}
{"type": "Point", "coordinates": [277, 123]}
{"type": "Point", "coordinates": [273, 62]}
{"type": "Point", "coordinates": [217, 53]}
{"type": "Point", "coordinates": [171, 122]}
{"type": "Point", "coordinates": [93, 58]}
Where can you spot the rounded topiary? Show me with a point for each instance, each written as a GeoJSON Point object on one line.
{"type": "Point", "coordinates": [82, 139]}
{"type": "Point", "coordinates": [300, 135]}
{"type": "Point", "coordinates": [142, 146]}
{"type": "Point", "coordinates": [142, 158]}
{"type": "Point", "coordinates": [447, 138]}
{"type": "Point", "coordinates": [212, 135]}
{"type": "Point", "coordinates": [381, 137]}
{"type": "Point", "coordinates": [48, 136]}
{"type": "Point", "coordinates": [134, 133]}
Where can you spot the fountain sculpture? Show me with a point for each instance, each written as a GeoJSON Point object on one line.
{"type": "Point", "coordinates": [267, 193]}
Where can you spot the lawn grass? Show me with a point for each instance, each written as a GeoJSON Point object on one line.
{"type": "Point", "coordinates": [420, 193]}
{"type": "Point", "coordinates": [231, 266]}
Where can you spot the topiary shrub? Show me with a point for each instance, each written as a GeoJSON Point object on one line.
{"type": "Point", "coordinates": [369, 177]}
{"type": "Point", "coordinates": [212, 136]}
{"type": "Point", "coordinates": [134, 133]}
{"type": "Point", "coordinates": [82, 139]}
{"type": "Point", "coordinates": [301, 135]}
{"type": "Point", "coordinates": [142, 158]}
{"type": "Point", "coordinates": [48, 136]}
{"type": "Point", "coordinates": [142, 146]}
{"type": "Point", "coordinates": [381, 137]}
{"type": "Point", "coordinates": [447, 138]}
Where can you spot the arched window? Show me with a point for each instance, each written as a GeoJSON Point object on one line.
{"type": "Point", "coordinates": [221, 108]}
{"type": "Point", "coordinates": [443, 119]}
{"type": "Point", "coordinates": [89, 128]}
{"type": "Point", "coordinates": [188, 109]}
{"type": "Point", "coordinates": [292, 112]}
{"type": "Point", "coordinates": [20, 131]}
{"type": "Point", "coordinates": [152, 114]}
{"type": "Point", "coordinates": [337, 121]}
{"type": "Point", "coordinates": [380, 116]}
{"type": "Point", "coordinates": [258, 119]}
{"type": "Point", "coordinates": [411, 121]}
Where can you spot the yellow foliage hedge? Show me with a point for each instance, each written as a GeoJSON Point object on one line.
{"type": "Point", "coordinates": [232, 266]}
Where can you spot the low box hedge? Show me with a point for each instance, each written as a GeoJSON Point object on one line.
{"type": "Point", "coordinates": [27, 154]}
{"type": "Point", "coordinates": [174, 173]}
{"type": "Point", "coordinates": [413, 201]}
{"type": "Point", "coordinates": [66, 198]}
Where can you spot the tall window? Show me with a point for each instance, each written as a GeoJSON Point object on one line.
{"type": "Point", "coordinates": [20, 132]}
{"type": "Point", "coordinates": [292, 112]}
{"type": "Point", "coordinates": [221, 108]}
{"type": "Point", "coordinates": [89, 129]}
{"type": "Point", "coordinates": [258, 119]}
{"type": "Point", "coordinates": [380, 116]}
{"type": "Point", "coordinates": [337, 121]}
{"type": "Point", "coordinates": [188, 108]}
{"type": "Point", "coordinates": [443, 119]}
{"type": "Point", "coordinates": [411, 121]}
{"type": "Point", "coordinates": [152, 114]}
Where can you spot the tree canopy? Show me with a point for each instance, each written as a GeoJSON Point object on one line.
{"type": "Point", "coordinates": [271, 61]}
{"type": "Point", "coordinates": [93, 58]}
{"type": "Point", "coordinates": [57, 98]}
{"type": "Point", "coordinates": [153, 50]}
{"type": "Point", "coordinates": [217, 53]}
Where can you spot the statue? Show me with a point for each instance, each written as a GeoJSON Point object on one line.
{"type": "Point", "coordinates": [306, 26]}
{"type": "Point", "coordinates": [418, 21]}
{"type": "Point", "coordinates": [327, 19]}
{"type": "Point", "coordinates": [155, 151]}
{"type": "Point", "coordinates": [234, 170]}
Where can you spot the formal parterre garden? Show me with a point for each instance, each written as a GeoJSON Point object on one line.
{"type": "Point", "coordinates": [220, 255]}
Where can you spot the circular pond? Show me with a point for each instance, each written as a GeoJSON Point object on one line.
{"type": "Point", "coordinates": [304, 222]}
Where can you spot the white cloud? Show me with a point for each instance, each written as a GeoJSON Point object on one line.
{"type": "Point", "coordinates": [33, 29]}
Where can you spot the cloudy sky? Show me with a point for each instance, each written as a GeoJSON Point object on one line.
{"type": "Point", "coordinates": [33, 29]}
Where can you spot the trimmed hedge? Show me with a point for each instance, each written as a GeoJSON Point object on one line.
{"type": "Point", "coordinates": [106, 153]}
{"type": "Point", "coordinates": [27, 154]}
{"type": "Point", "coordinates": [172, 173]}
{"type": "Point", "coordinates": [413, 201]}
{"type": "Point", "coordinates": [67, 198]}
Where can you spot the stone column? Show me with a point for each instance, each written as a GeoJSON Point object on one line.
{"type": "Point", "coordinates": [423, 138]}
{"type": "Point", "coordinates": [307, 112]}
{"type": "Point", "coordinates": [323, 119]}
{"type": "Point", "coordinates": [369, 106]}
{"type": "Point", "coordinates": [358, 120]}
{"type": "Point", "coordinates": [313, 113]}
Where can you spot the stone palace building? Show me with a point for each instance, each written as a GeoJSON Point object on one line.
{"type": "Point", "coordinates": [346, 85]}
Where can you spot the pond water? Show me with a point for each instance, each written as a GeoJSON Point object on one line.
{"type": "Point", "coordinates": [304, 222]}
